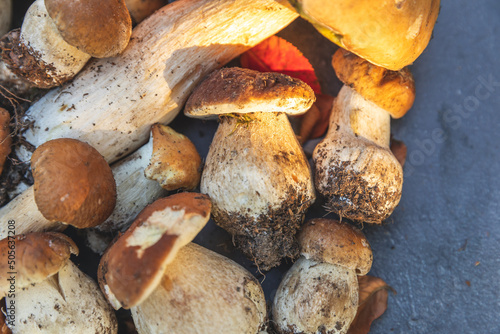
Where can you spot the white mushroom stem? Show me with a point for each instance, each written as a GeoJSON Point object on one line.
{"type": "Point", "coordinates": [41, 36]}
{"type": "Point", "coordinates": [112, 103]}
{"type": "Point", "coordinates": [316, 297]}
{"type": "Point", "coordinates": [5, 15]}
{"type": "Point", "coordinates": [134, 192]}
{"type": "Point", "coordinates": [355, 169]}
{"type": "Point", "coordinates": [68, 302]}
{"type": "Point", "coordinates": [203, 292]}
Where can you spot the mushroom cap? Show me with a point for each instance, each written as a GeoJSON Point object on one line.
{"type": "Point", "coordinates": [39, 256]}
{"type": "Point", "coordinates": [388, 33]}
{"type": "Point", "coordinates": [175, 162]}
{"type": "Point", "coordinates": [326, 240]}
{"type": "Point", "coordinates": [240, 90]}
{"type": "Point", "coordinates": [101, 28]}
{"type": "Point", "coordinates": [73, 183]}
{"type": "Point", "coordinates": [133, 266]}
{"type": "Point", "coordinates": [5, 138]}
{"type": "Point", "coordinates": [393, 91]}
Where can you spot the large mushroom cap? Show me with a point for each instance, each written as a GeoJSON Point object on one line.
{"type": "Point", "coordinates": [388, 33]}
{"type": "Point", "coordinates": [239, 90]}
{"type": "Point", "coordinates": [101, 28]}
{"type": "Point", "coordinates": [326, 240]}
{"type": "Point", "coordinates": [73, 183]}
{"type": "Point", "coordinates": [394, 91]}
{"type": "Point", "coordinates": [38, 256]}
{"type": "Point", "coordinates": [133, 266]}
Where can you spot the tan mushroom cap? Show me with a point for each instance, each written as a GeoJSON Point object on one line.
{"type": "Point", "coordinates": [101, 28]}
{"type": "Point", "coordinates": [388, 33]}
{"type": "Point", "coordinates": [5, 137]}
{"type": "Point", "coordinates": [73, 183]}
{"type": "Point", "coordinates": [175, 163]}
{"type": "Point", "coordinates": [326, 240]}
{"type": "Point", "coordinates": [240, 90]}
{"type": "Point", "coordinates": [133, 266]}
{"type": "Point", "coordinates": [38, 256]}
{"type": "Point", "coordinates": [393, 91]}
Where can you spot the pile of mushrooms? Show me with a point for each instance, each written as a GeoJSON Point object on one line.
{"type": "Point", "coordinates": [256, 181]}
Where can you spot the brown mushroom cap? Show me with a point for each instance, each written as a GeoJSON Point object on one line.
{"type": "Point", "coordinates": [101, 28]}
{"type": "Point", "coordinates": [73, 183]}
{"type": "Point", "coordinates": [393, 91]}
{"type": "Point", "coordinates": [133, 266]}
{"type": "Point", "coordinates": [240, 90]}
{"type": "Point", "coordinates": [326, 240]}
{"type": "Point", "coordinates": [175, 162]}
{"type": "Point", "coordinates": [38, 256]}
{"type": "Point", "coordinates": [388, 33]}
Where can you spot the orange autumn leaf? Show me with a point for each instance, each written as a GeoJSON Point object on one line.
{"type": "Point", "coordinates": [399, 150]}
{"type": "Point", "coordinates": [278, 55]}
{"type": "Point", "coordinates": [373, 294]}
{"type": "Point", "coordinates": [315, 121]}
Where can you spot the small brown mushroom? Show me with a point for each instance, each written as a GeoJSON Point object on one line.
{"type": "Point", "coordinates": [49, 293]}
{"type": "Point", "coordinates": [355, 168]}
{"type": "Point", "coordinates": [73, 183]}
{"type": "Point", "coordinates": [58, 37]}
{"type": "Point", "coordinates": [319, 294]}
{"type": "Point", "coordinates": [255, 172]}
{"type": "Point", "coordinates": [133, 266]}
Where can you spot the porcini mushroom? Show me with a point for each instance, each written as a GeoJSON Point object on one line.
{"type": "Point", "coordinates": [73, 183]}
{"type": "Point", "coordinates": [5, 15]}
{"type": "Point", "coordinates": [355, 168]}
{"type": "Point", "coordinates": [203, 292]}
{"type": "Point", "coordinates": [255, 172]}
{"type": "Point", "coordinates": [319, 294]}
{"type": "Point", "coordinates": [169, 53]}
{"type": "Point", "coordinates": [58, 37]}
{"type": "Point", "coordinates": [132, 267]}
{"type": "Point", "coordinates": [134, 190]}
{"type": "Point", "coordinates": [51, 294]}
{"type": "Point", "coordinates": [388, 33]}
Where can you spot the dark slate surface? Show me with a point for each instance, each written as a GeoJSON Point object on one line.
{"type": "Point", "coordinates": [445, 234]}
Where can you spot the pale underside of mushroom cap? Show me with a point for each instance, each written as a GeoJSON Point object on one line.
{"type": "Point", "coordinates": [238, 90]}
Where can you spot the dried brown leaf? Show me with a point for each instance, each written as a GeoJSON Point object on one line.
{"type": "Point", "coordinates": [399, 150]}
{"type": "Point", "coordinates": [373, 294]}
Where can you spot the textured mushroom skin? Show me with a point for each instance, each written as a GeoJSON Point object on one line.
{"type": "Point", "coordinates": [73, 183]}
{"type": "Point", "coordinates": [69, 302]}
{"type": "Point", "coordinates": [5, 138]}
{"type": "Point", "coordinates": [206, 293]}
{"type": "Point", "coordinates": [315, 298]}
{"type": "Point", "coordinates": [260, 184]}
{"type": "Point", "coordinates": [38, 256]}
{"type": "Point", "coordinates": [393, 91]}
{"type": "Point", "coordinates": [330, 241]}
{"type": "Point", "coordinates": [360, 179]}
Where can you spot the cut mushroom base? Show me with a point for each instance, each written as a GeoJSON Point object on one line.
{"type": "Point", "coordinates": [203, 292]}
{"type": "Point", "coordinates": [355, 169]}
{"type": "Point", "coordinates": [260, 185]}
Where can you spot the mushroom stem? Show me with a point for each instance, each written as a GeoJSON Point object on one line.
{"type": "Point", "coordinates": [167, 55]}
{"type": "Point", "coordinates": [68, 302]}
{"type": "Point", "coordinates": [203, 292]}
{"type": "Point", "coordinates": [260, 184]}
{"type": "Point", "coordinates": [355, 169]}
